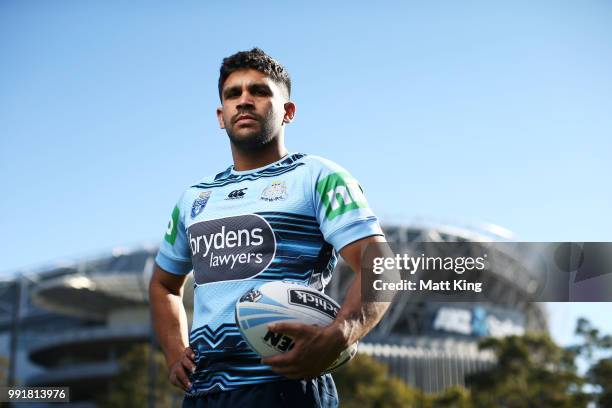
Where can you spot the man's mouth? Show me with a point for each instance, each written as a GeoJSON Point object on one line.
{"type": "Point", "coordinates": [245, 118]}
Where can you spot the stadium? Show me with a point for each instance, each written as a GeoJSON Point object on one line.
{"type": "Point", "coordinates": [70, 323]}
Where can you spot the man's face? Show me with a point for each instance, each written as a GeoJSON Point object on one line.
{"type": "Point", "coordinates": [254, 109]}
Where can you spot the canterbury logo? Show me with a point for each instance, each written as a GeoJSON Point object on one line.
{"type": "Point", "coordinates": [236, 194]}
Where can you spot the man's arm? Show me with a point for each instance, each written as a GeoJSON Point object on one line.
{"type": "Point", "coordinates": [356, 317]}
{"type": "Point", "coordinates": [317, 347]}
{"type": "Point", "coordinates": [170, 323]}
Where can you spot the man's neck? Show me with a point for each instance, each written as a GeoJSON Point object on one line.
{"type": "Point", "coordinates": [248, 160]}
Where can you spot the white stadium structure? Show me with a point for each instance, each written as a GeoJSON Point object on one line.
{"type": "Point", "coordinates": [68, 324]}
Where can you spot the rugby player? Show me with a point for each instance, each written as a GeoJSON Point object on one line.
{"type": "Point", "coordinates": [272, 215]}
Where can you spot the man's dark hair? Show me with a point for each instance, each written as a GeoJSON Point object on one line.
{"type": "Point", "coordinates": [254, 59]}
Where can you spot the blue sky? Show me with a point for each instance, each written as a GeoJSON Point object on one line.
{"type": "Point", "coordinates": [476, 112]}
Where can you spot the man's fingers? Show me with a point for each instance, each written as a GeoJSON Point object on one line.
{"type": "Point", "coordinates": [178, 384]}
{"type": "Point", "coordinates": [180, 379]}
{"type": "Point", "coordinates": [180, 370]}
{"type": "Point", "coordinates": [175, 381]}
{"type": "Point", "coordinates": [292, 329]}
{"type": "Point", "coordinates": [281, 360]}
{"type": "Point", "coordinates": [188, 364]}
{"type": "Point", "coordinates": [183, 380]}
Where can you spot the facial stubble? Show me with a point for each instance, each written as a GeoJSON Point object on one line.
{"type": "Point", "coordinates": [256, 141]}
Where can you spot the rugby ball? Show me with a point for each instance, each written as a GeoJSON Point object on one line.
{"type": "Point", "coordinates": [280, 302]}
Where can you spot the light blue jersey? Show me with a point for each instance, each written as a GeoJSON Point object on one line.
{"type": "Point", "coordinates": [240, 229]}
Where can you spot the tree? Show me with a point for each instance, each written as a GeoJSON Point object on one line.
{"type": "Point", "coordinates": [130, 388]}
{"type": "Point", "coordinates": [452, 397]}
{"type": "Point", "coordinates": [600, 372]}
{"type": "Point", "coordinates": [592, 340]}
{"type": "Point", "coordinates": [364, 383]}
{"type": "Point", "coordinates": [531, 371]}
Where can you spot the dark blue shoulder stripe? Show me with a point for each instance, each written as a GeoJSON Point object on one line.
{"type": "Point", "coordinates": [255, 176]}
{"type": "Point", "coordinates": [224, 174]}
{"type": "Point", "coordinates": [235, 178]}
{"type": "Point", "coordinates": [287, 215]}
{"type": "Point", "coordinates": [291, 159]}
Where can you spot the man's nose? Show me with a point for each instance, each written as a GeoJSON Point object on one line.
{"type": "Point", "coordinates": [246, 100]}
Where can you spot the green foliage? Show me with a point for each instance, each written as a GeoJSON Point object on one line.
{"type": "Point", "coordinates": [364, 383]}
{"type": "Point", "coordinates": [130, 388]}
{"type": "Point", "coordinates": [532, 371]}
{"type": "Point", "coordinates": [452, 397]}
{"type": "Point", "coordinates": [592, 340]}
{"type": "Point", "coordinates": [600, 372]}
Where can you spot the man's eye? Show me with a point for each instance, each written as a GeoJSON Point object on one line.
{"type": "Point", "coordinates": [260, 92]}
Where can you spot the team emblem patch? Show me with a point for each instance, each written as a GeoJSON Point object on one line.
{"type": "Point", "coordinates": [275, 191]}
{"type": "Point", "coordinates": [199, 203]}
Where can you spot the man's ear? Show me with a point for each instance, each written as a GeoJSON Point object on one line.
{"type": "Point", "coordinates": [289, 112]}
{"type": "Point", "coordinates": [220, 117]}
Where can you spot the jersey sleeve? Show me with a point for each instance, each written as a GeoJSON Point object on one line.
{"type": "Point", "coordinates": [174, 254]}
{"type": "Point", "coordinates": [341, 208]}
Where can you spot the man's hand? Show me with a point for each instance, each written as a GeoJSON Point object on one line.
{"type": "Point", "coordinates": [170, 323]}
{"type": "Point", "coordinates": [314, 349]}
{"type": "Point", "coordinates": [180, 370]}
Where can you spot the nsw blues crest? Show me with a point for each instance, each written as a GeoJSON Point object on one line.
{"type": "Point", "coordinates": [275, 191]}
{"type": "Point", "coordinates": [199, 203]}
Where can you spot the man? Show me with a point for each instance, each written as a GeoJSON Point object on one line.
{"type": "Point", "coordinates": [271, 216]}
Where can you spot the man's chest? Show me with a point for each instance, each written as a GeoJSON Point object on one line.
{"type": "Point", "coordinates": [284, 195]}
{"type": "Point", "coordinates": [235, 230]}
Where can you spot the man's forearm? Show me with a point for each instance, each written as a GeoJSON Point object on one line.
{"type": "Point", "coordinates": [356, 318]}
{"type": "Point", "coordinates": [170, 321]}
